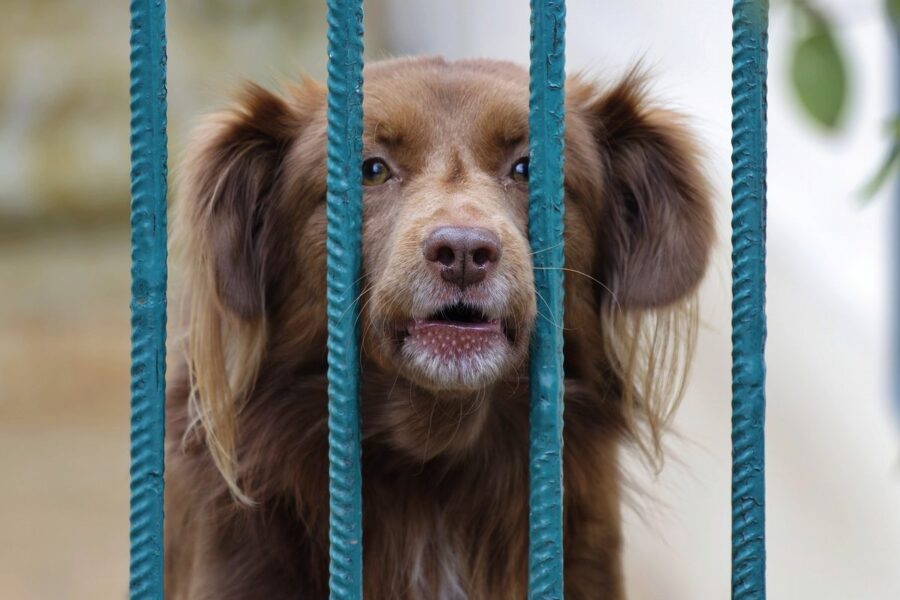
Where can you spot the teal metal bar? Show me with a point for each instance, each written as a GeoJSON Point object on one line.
{"type": "Point", "coordinates": [148, 295]}
{"type": "Point", "coordinates": [344, 207]}
{"type": "Point", "coordinates": [545, 230]}
{"type": "Point", "coordinates": [748, 554]}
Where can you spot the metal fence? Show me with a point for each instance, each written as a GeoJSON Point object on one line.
{"type": "Point", "coordinates": [344, 207]}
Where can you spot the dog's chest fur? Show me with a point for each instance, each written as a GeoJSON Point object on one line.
{"type": "Point", "coordinates": [446, 527]}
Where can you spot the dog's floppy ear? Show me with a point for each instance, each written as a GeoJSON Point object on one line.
{"type": "Point", "coordinates": [657, 222]}
{"type": "Point", "coordinates": [230, 229]}
{"type": "Point", "coordinates": [233, 176]}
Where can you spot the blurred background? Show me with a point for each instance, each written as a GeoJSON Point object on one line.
{"type": "Point", "coordinates": [832, 445]}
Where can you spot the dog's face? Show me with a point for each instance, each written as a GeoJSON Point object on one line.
{"type": "Point", "coordinates": [450, 300]}
{"type": "Point", "coordinates": [447, 297]}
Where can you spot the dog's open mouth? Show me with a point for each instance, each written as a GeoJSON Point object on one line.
{"type": "Point", "coordinates": [455, 331]}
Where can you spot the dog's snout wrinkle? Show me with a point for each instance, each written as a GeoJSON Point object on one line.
{"type": "Point", "coordinates": [462, 255]}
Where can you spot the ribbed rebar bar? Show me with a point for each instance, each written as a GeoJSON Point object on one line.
{"type": "Point", "coordinates": [748, 553]}
{"type": "Point", "coordinates": [344, 207]}
{"type": "Point", "coordinates": [148, 295]}
{"type": "Point", "coordinates": [545, 229]}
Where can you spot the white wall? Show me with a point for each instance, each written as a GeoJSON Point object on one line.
{"type": "Point", "coordinates": [834, 498]}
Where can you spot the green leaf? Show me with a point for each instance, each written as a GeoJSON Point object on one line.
{"type": "Point", "coordinates": [893, 10]}
{"type": "Point", "coordinates": [819, 73]}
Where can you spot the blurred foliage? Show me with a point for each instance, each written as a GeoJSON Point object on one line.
{"type": "Point", "coordinates": [893, 9]}
{"type": "Point", "coordinates": [818, 68]}
{"type": "Point", "coordinates": [819, 77]}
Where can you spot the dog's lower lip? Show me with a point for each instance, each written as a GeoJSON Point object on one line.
{"type": "Point", "coordinates": [422, 325]}
{"type": "Point", "coordinates": [452, 340]}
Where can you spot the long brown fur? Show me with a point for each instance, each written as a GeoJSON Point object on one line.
{"type": "Point", "coordinates": [445, 466]}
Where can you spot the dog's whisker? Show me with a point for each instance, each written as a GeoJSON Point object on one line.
{"type": "Point", "coordinates": [583, 274]}
{"type": "Point", "coordinates": [453, 435]}
{"type": "Point", "coordinates": [355, 301]}
{"type": "Point", "coordinates": [556, 325]}
{"type": "Point", "coordinates": [365, 332]}
{"type": "Point", "coordinates": [547, 249]}
{"type": "Point", "coordinates": [427, 437]}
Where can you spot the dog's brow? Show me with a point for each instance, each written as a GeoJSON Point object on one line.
{"type": "Point", "coordinates": [398, 137]}
{"type": "Point", "coordinates": [386, 133]}
{"type": "Point", "coordinates": [504, 140]}
{"type": "Point", "coordinates": [500, 132]}
{"type": "Point", "coordinates": [504, 127]}
{"type": "Point", "coordinates": [389, 139]}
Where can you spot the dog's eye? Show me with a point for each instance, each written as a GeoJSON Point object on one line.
{"type": "Point", "coordinates": [520, 170]}
{"type": "Point", "coordinates": [375, 171]}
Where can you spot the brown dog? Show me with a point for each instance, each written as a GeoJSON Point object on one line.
{"type": "Point", "coordinates": [447, 308]}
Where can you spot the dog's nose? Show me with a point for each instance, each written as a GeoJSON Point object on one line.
{"type": "Point", "coordinates": [462, 255]}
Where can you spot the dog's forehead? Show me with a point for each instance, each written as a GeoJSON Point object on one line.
{"type": "Point", "coordinates": [482, 103]}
